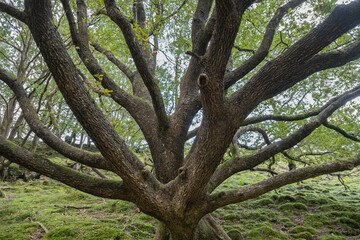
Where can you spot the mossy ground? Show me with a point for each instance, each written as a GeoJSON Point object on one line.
{"type": "Point", "coordinates": [314, 209]}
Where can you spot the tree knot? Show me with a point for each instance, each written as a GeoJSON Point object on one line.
{"type": "Point", "coordinates": [203, 80]}
{"type": "Point", "coordinates": [182, 172]}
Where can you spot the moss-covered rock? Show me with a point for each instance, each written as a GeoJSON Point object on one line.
{"type": "Point", "coordinates": [266, 232]}
{"type": "Point", "coordinates": [264, 202]}
{"type": "Point", "coordinates": [316, 220]}
{"type": "Point", "coordinates": [300, 229]}
{"type": "Point", "coordinates": [332, 237]}
{"type": "Point", "coordinates": [286, 198]}
{"type": "Point", "coordinates": [347, 221]}
{"type": "Point", "coordinates": [319, 201]}
{"type": "Point", "coordinates": [235, 234]}
{"type": "Point", "coordinates": [303, 235]}
{"type": "Point", "coordinates": [287, 222]}
{"type": "Point", "coordinates": [293, 207]}
{"type": "Point", "coordinates": [232, 217]}
{"type": "Point", "coordinates": [337, 207]}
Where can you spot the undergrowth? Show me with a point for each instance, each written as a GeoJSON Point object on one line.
{"type": "Point", "coordinates": [320, 209]}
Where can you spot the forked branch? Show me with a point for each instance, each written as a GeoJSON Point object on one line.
{"type": "Point", "coordinates": [140, 62]}
{"type": "Point", "coordinates": [41, 130]}
{"type": "Point", "coordinates": [247, 162]}
{"type": "Point", "coordinates": [95, 186]}
{"type": "Point", "coordinates": [263, 50]}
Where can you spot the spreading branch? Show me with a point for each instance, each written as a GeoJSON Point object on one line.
{"type": "Point", "coordinates": [140, 62]}
{"type": "Point", "coordinates": [341, 131]}
{"type": "Point", "coordinates": [224, 198]}
{"type": "Point", "coordinates": [12, 11]}
{"type": "Point", "coordinates": [263, 50]}
{"type": "Point", "coordinates": [83, 182]}
{"type": "Point", "coordinates": [40, 129]}
{"type": "Point", "coordinates": [271, 79]}
{"type": "Point", "coordinates": [250, 161]}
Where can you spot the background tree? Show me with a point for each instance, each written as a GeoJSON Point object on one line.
{"type": "Point", "coordinates": [255, 75]}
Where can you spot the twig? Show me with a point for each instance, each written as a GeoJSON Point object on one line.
{"type": "Point", "coordinates": [41, 225]}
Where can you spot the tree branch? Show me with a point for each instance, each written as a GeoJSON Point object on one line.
{"type": "Point", "coordinates": [263, 50]}
{"type": "Point", "coordinates": [247, 162]}
{"type": "Point", "coordinates": [111, 57]}
{"type": "Point", "coordinates": [113, 148]}
{"type": "Point", "coordinates": [277, 75]}
{"type": "Point", "coordinates": [19, 15]}
{"type": "Point", "coordinates": [82, 182]}
{"type": "Point", "coordinates": [140, 62]}
{"type": "Point", "coordinates": [81, 156]}
{"type": "Point", "coordinates": [341, 131]}
{"type": "Point", "coordinates": [287, 118]}
{"type": "Point", "coordinates": [224, 198]}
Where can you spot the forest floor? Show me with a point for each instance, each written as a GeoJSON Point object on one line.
{"type": "Point", "coordinates": [321, 208]}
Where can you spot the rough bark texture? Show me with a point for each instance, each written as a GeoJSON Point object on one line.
{"type": "Point", "coordinates": [179, 193]}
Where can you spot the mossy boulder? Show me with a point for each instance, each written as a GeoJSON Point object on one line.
{"type": "Point", "coordinates": [232, 217]}
{"type": "Point", "coordinates": [266, 232]}
{"type": "Point", "coordinates": [286, 198]}
{"type": "Point", "coordinates": [264, 202]}
{"type": "Point", "coordinates": [331, 237]}
{"type": "Point", "coordinates": [348, 221]}
{"type": "Point", "coordinates": [293, 207]}
{"type": "Point", "coordinates": [303, 235]}
{"type": "Point", "coordinates": [287, 222]}
{"type": "Point", "coordinates": [300, 229]}
{"type": "Point", "coordinates": [336, 207]}
{"type": "Point", "coordinates": [316, 220]}
{"type": "Point", "coordinates": [235, 234]}
{"type": "Point", "coordinates": [319, 201]}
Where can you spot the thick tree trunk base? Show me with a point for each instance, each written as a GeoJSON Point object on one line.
{"type": "Point", "coordinates": [207, 229]}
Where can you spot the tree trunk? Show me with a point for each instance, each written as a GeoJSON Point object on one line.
{"type": "Point", "coordinates": [207, 229]}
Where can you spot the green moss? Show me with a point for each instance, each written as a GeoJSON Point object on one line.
{"type": "Point", "coordinates": [63, 232]}
{"type": "Point", "coordinates": [353, 215]}
{"type": "Point", "coordinates": [293, 207]}
{"type": "Point", "coordinates": [347, 221]}
{"type": "Point", "coordinates": [232, 217]}
{"type": "Point", "coordinates": [18, 231]}
{"type": "Point", "coordinates": [300, 229]}
{"type": "Point", "coordinates": [316, 220]}
{"type": "Point", "coordinates": [287, 222]}
{"type": "Point", "coordinates": [337, 207]}
{"type": "Point", "coordinates": [286, 198]}
{"type": "Point", "coordinates": [303, 235]}
{"type": "Point", "coordinates": [235, 234]}
{"type": "Point", "coordinates": [331, 237]}
{"type": "Point", "coordinates": [76, 196]}
{"type": "Point", "coordinates": [301, 199]}
{"type": "Point", "coordinates": [139, 234]}
{"type": "Point", "coordinates": [266, 232]}
{"type": "Point", "coordinates": [319, 201]}
{"type": "Point", "coordinates": [99, 232]}
{"type": "Point", "coordinates": [264, 202]}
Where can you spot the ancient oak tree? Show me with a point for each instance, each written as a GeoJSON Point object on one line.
{"type": "Point", "coordinates": [214, 87]}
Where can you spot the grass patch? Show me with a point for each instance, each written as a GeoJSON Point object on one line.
{"type": "Point", "coordinates": [292, 212]}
